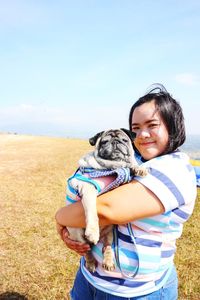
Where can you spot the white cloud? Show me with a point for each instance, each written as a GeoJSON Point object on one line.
{"type": "Point", "coordinates": [188, 79]}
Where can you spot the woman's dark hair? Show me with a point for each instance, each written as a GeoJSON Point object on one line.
{"type": "Point", "coordinates": [170, 112]}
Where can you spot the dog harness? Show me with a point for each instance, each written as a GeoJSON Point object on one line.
{"type": "Point", "coordinates": [94, 177]}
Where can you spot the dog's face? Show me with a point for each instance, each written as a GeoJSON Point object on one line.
{"type": "Point", "coordinates": [114, 145]}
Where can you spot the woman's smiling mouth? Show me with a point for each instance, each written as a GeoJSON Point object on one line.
{"type": "Point", "coordinates": [146, 144]}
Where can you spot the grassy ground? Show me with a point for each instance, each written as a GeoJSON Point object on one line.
{"type": "Point", "coordinates": [33, 260]}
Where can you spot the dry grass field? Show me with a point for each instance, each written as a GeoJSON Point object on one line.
{"type": "Point", "coordinates": [33, 260]}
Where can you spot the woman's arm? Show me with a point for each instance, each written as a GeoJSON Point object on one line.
{"type": "Point", "coordinates": [126, 203]}
{"type": "Point", "coordinates": [129, 202]}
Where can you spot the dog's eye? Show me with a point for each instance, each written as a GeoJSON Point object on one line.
{"type": "Point", "coordinates": [125, 140]}
{"type": "Point", "coordinates": [104, 142]}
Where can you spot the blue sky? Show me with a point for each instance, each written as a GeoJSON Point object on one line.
{"type": "Point", "coordinates": [72, 68]}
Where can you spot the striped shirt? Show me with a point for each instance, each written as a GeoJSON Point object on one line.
{"type": "Point", "coordinates": [150, 257]}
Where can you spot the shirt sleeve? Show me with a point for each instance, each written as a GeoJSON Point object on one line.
{"type": "Point", "coordinates": [172, 179]}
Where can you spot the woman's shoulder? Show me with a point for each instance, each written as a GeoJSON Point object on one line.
{"type": "Point", "coordinates": [168, 160]}
{"type": "Point", "coordinates": [172, 178]}
{"type": "Point", "coordinates": [173, 169]}
{"type": "Point", "coordinates": [175, 166]}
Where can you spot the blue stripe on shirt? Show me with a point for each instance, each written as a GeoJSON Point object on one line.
{"type": "Point", "coordinates": [167, 253]}
{"type": "Point", "coordinates": [154, 223]}
{"type": "Point", "coordinates": [169, 184]}
{"type": "Point", "coordinates": [160, 279]}
{"type": "Point", "coordinates": [120, 281]}
{"type": "Point", "coordinates": [139, 241]}
{"type": "Point", "coordinates": [181, 214]}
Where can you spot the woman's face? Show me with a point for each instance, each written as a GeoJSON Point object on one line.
{"type": "Point", "coordinates": [151, 133]}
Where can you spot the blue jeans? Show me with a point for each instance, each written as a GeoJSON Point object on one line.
{"type": "Point", "coordinates": [83, 290]}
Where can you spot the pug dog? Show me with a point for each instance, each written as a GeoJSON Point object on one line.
{"type": "Point", "coordinates": [113, 154]}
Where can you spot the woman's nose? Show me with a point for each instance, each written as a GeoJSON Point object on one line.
{"type": "Point", "coordinates": [143, 133]}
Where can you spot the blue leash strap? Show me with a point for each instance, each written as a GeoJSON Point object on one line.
{"type": "Point", "coordinates": [116, 250]}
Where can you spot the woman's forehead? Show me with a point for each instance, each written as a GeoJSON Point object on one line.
{"type": "Point", "coordinates": [145, 113]}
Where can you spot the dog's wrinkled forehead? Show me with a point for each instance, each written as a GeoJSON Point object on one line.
{"type": "Point", "coordinates": [112, 134]}
{"type": "Point", "coordinates": [115, 133]}
{"type": "Point", "coordinates": [119, 133]}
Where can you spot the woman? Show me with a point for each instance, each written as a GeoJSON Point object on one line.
{"type": "Point", "coordinates": [154, 207]}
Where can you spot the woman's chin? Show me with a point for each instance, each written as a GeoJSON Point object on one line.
{"type": "Point", "coordinates": [149, 154]}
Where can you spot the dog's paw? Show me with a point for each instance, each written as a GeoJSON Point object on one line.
{"type": "Point", "coordinates": [91, 267]}
{"type": "Point", "coordinates": [140, 171]}
{"type": "Point", "coordinates": [92, 234]}
{"type": "Point", "coordinates": [108, 261]}
{"type": "Point", "coordinates": [90, 264]}
{"type": "Point", "coordinates": [108, 265]}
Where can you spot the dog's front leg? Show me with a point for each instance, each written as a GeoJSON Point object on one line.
{"type": "Point", "coordinates": [89, 197]}
{"type": "Point", "coordinates": [77, 234]}
{"type": "Point", "coordinates": [88, 194]}
{"type": "Point", "coordinates": [108, 255]}
{"type": "Point", "coordinates": [90, 261]}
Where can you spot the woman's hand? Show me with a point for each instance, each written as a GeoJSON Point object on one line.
{"type": "Point", "coordinates": [78, 247]}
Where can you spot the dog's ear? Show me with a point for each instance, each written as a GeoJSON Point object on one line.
{"type": "Point", "coordinates": [130, 134]}
{"type": "Point", "coordinates": [94, 139]}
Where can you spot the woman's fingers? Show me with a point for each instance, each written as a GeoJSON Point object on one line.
{"type": "Point", "coordinates": [80, 248]}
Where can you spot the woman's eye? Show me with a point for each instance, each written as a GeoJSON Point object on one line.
{"type": "Point", "coordinates": [153, 125]}
{"type": "Point", "coordinates": [135, 128]}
